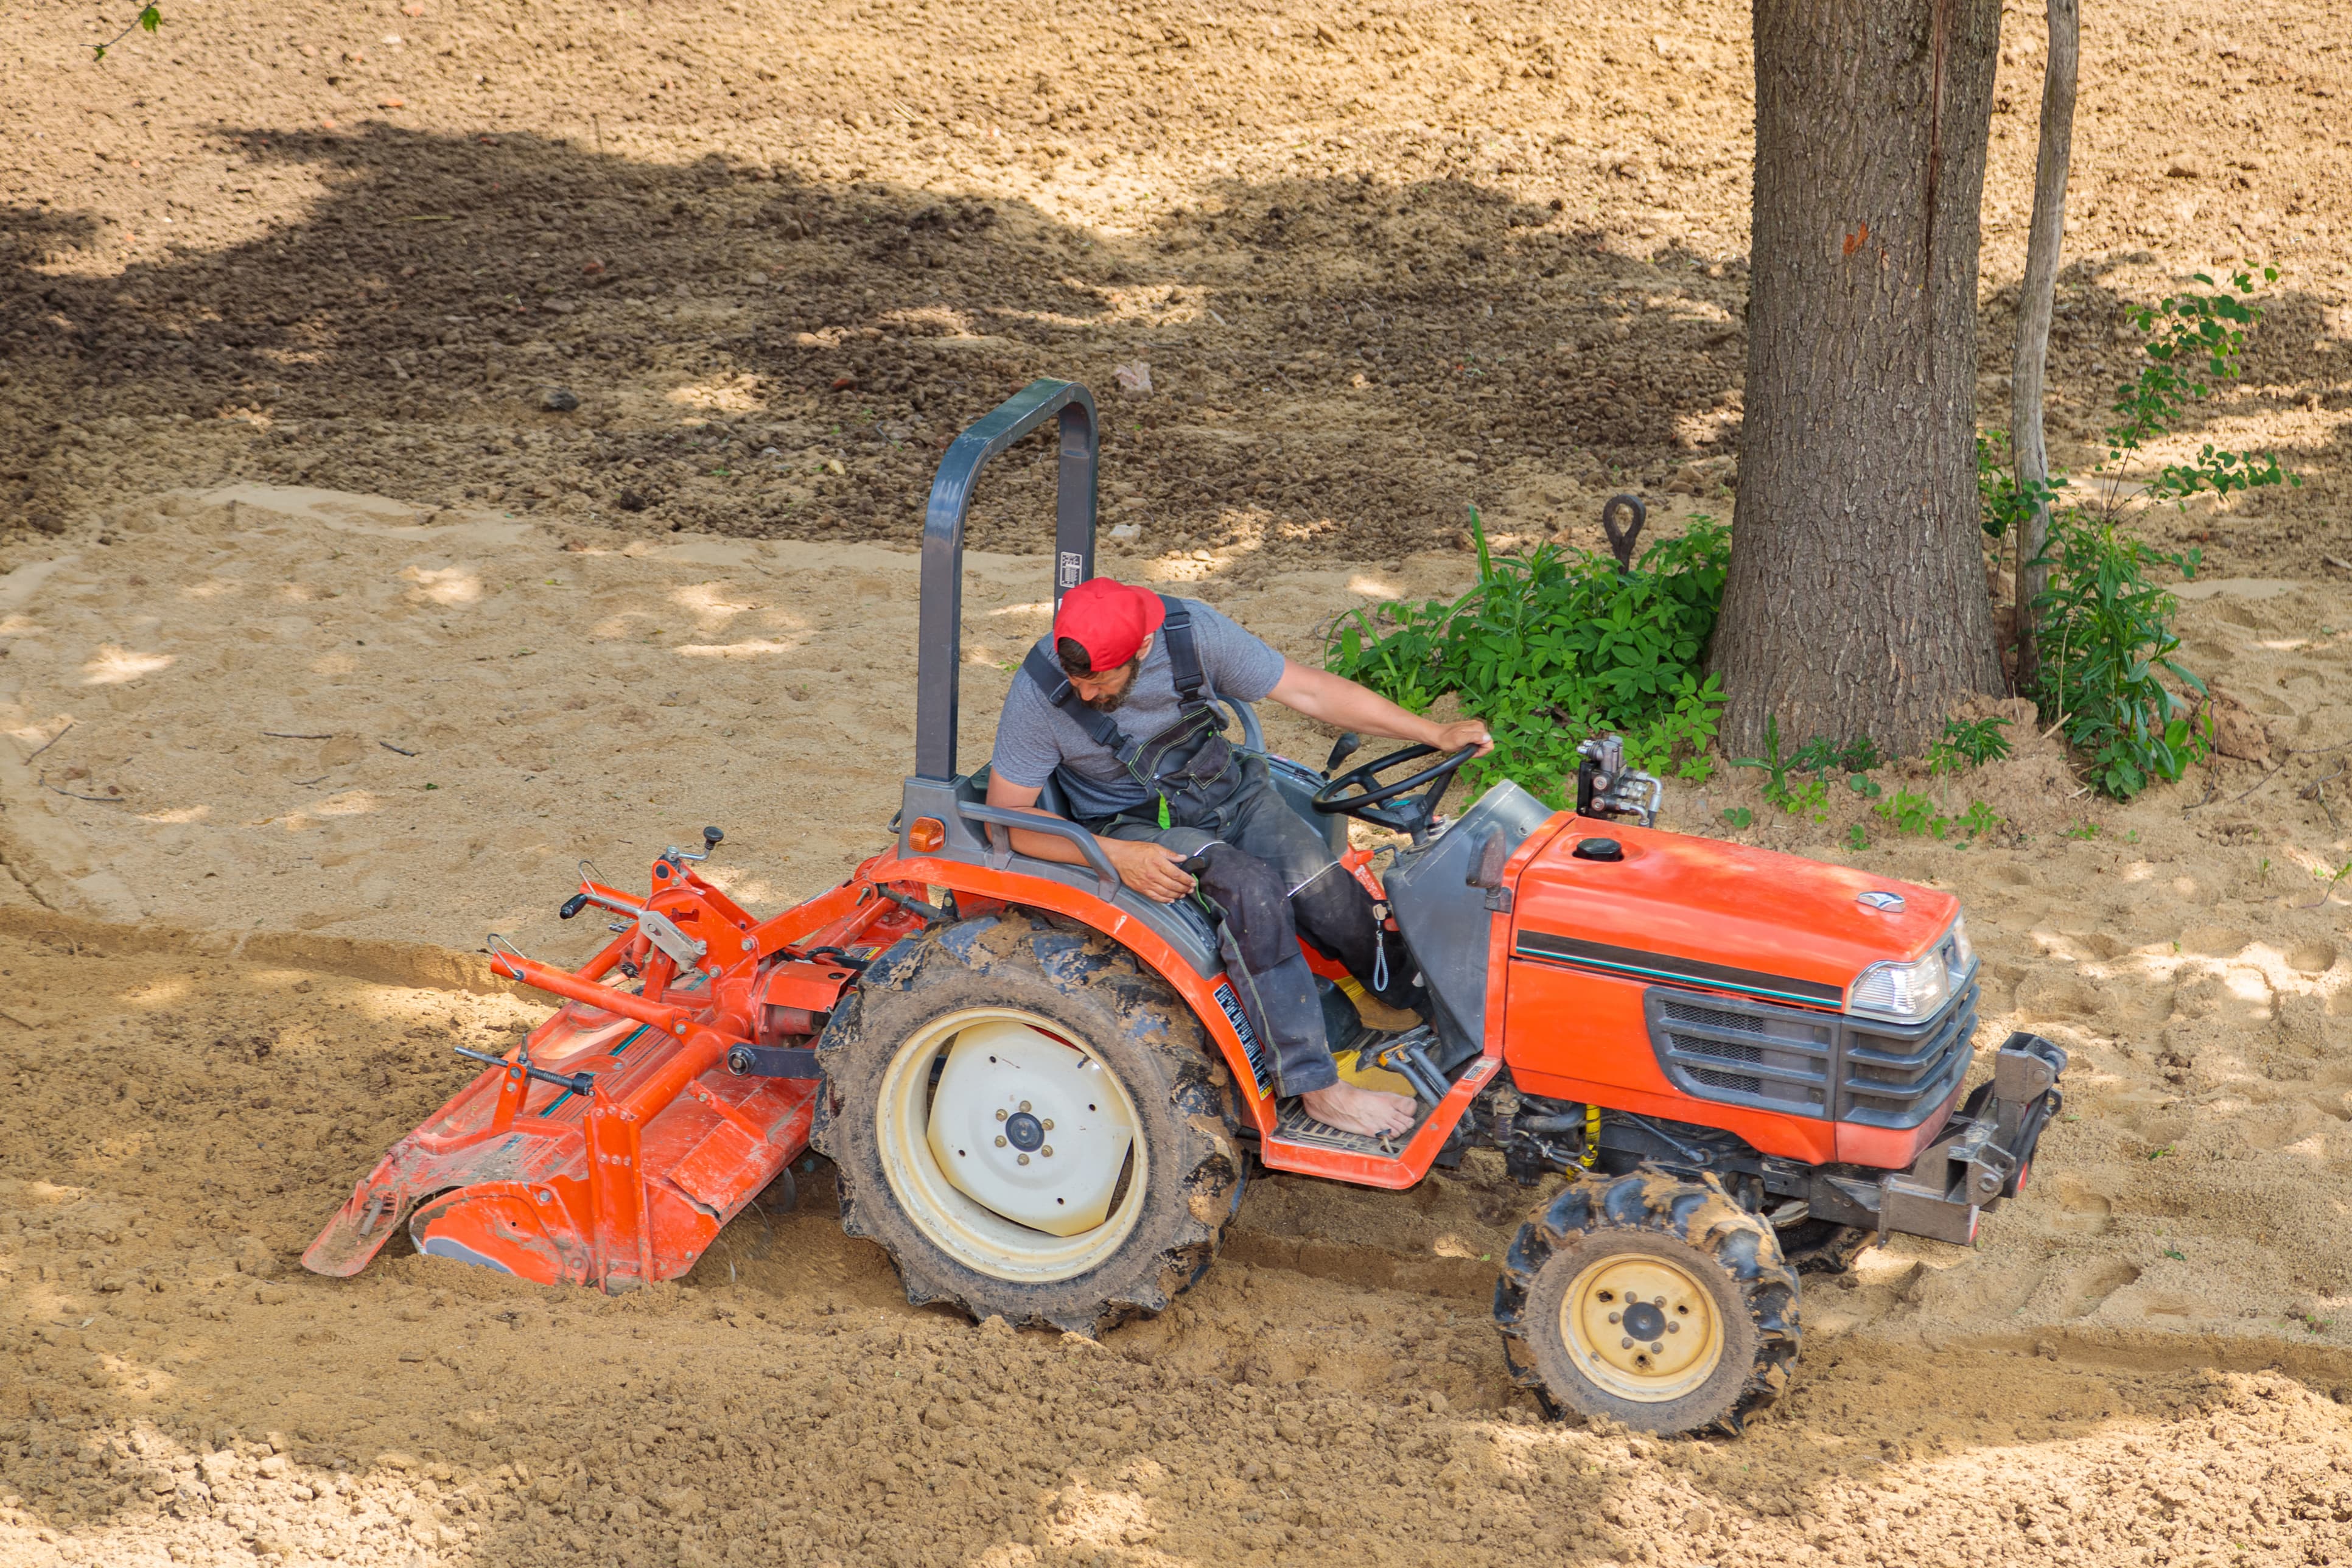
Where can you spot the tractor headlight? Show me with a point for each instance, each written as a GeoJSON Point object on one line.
{"type": "Point", "coordinates": [1905, 992]}
{"type": "Point", "coordinates": [1960, 953]}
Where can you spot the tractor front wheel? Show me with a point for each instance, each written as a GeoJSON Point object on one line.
{"type": "Point", "coordinates": [1654, 1299]}
{"type": "Point", "coordinates": [1029, 1122]}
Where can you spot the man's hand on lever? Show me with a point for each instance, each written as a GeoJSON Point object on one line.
{"type": "Point", "coordinates": [1152, 870]}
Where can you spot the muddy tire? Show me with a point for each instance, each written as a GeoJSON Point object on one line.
{"type": "Point", "coordinates": [1820, 1247]}
{"type": "Point", "coordinates": [1654, 1299]}
{"type": "Point", "coordinates": [892, 1044]}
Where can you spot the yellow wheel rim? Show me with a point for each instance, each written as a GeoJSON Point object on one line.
{"type": "Point", "coordinates": [975, 1235]}
{"type": "Point", "coordinates": [1642, 1328]}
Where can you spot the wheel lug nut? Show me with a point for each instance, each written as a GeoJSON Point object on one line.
{"type": "Point", "coordinates": [1624, 1345]}
{"type": "Point", "coordinates": [1000, 1116]}
{"type": "Point", "coordinates": [1658, 1349]}
{"type": "Point", "coordinates": [999, 1139]}
{"type": "Point", "coordinates": [1673, 1328]}
{"type": "Point", "coordinates": [1024, 1105]}
{"type": "Point", "coordinates": [1049, 1124]}
{"type": "Point", "coordinates": [1047, 1151]}
{"type": "Point", "coordinates": [1613, 1317]}
{"type": "Point", "coordinates": [1025, 1159]}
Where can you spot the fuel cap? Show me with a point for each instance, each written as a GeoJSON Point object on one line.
{"type": "Point", "coordinates": [1599, 849]}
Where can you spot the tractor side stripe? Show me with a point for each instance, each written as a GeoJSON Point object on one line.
{"type": "Point", "coordinates": [1544, 947]}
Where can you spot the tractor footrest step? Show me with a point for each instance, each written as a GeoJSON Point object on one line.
{"type": "Point", "coordinates": [1293, 1125]}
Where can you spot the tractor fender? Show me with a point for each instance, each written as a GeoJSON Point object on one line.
{"type": "Point", "coordinates": [1212, 998]}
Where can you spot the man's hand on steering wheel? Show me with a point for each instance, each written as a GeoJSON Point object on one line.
{"type": "Point", "coordinates": [1460, 733]}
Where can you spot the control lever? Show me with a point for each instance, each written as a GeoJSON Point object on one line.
{"type": "Point", "coordinates": [711, 838]}
{"type": "Point", "coordinates": [1606, 784]}
{"type": "Point", "coordinates": [578, 1082]}
{"type": "Point", "coordinates": [571, 906]}
{"type": "Point", "coordinates": [1404, 1057]}
{"type": "Point", "coordinates": [1346, 746]}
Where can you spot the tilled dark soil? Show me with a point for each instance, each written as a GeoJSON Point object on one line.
{"type": "Point", "coordinates": [1381, 261]}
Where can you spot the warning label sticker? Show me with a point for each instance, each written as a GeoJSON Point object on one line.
{"type": "Point", "coordinates": [1251, 1047]}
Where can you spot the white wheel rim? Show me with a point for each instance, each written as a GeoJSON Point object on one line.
{"type": "Point", "coordinates": [921, 1140]}
{"type": "Point", "coordinates": [1671, 1348]}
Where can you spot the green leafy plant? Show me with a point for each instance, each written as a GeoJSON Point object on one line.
{"type": "Point", "coordinates": [148, 19]}
{"type": "Point", "coordinates": [1913, 815]}
{"type": "Point", "coordinates": [1856, 838]}
{"type": "Point", "coordinates": [1554, 645]}
{"type": "Point", "coordinates": [1776, 767]}
{"type": "Point", "coordinates": [1865, 785]}
{"type": "Point", "coordinates": [1978, 819]}
{"type": "Point", "coordinates": [1861, 755]}
{"type": "Point", "coordinates": [2004, 503]}
{"type": "Point", "coordinates": [1738, 816]}
{"type": "Point", "coordinates": [1809, 799]}
{"type": "Point", "coordinates": [1969, 744]}
{"type": "Point", "coordinates": [2104, 639]}
{"type": "Point", "coordinates": [2108, 644]}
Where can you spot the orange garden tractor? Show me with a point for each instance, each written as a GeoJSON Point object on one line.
{"type": "Point", "coordinates": [1043, 1095]}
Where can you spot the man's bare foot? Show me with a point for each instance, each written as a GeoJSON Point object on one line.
{"type": "Point", "coordinates": [1353, 1110]}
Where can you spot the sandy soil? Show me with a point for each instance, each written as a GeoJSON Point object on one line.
{"type": "Point", "coordinates": [277, 471]}
{"type": "Point", "coordinates": [227, 1000]}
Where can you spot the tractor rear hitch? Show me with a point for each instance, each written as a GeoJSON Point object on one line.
{"type": "Point", "coordinates": [578, 1082]}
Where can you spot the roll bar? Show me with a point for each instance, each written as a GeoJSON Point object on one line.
{"type": "Point", "coordinates": [939, 655]}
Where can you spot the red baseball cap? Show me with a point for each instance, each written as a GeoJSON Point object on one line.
{"type": "Point", "coordinates": [1109, 619]}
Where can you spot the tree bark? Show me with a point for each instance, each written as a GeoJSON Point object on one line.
{"type": "Point", "coordinates": [1857, 604]}
{"type": "Point", "coordinates": [2035, 295]}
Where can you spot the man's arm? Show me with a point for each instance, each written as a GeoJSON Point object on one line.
{"type": "Point", "coordinates": [1149, 868]}
{"type": "Point", "coordinates": [1339, 702]}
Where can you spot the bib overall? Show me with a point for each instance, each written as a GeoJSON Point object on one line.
{"type": "Point", "coordinates": [1269, 875]}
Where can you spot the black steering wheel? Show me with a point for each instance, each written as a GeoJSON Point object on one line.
{"type": "Point", "coordinates": [1358, 791]}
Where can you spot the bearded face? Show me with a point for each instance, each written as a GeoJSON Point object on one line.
{"type": "Point", "coordinates": [1108, 693]}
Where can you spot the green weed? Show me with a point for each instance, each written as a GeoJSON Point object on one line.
{"type": "Point", "coordinates": [1969, 744]}
{"type": "Point", "coordinates": [2105, 638]}
{"type": "Point", "coordinates": [1913, 815]}
{"type": "Point", "coordinates": [1738, 816]}
{"type": "Point", "coordinates": [1555, 646]}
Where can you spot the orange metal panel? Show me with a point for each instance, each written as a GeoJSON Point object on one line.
{"type": "Point", "coordinates": [1574, 1036]}
{"type": "Point", "coordinates": [1706, 901]}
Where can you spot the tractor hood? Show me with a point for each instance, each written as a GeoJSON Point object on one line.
{"type": "Point", "coordinates": [1705, 913]}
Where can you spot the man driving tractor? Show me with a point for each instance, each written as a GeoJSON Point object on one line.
{"type": "Point", "coordinates": [1182, 813]}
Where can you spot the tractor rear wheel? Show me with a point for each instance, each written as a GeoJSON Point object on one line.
{"type": "Point", "coordinates": [1654, 1299]}
{"type": "Point", "coordinates": [1029, 1122]}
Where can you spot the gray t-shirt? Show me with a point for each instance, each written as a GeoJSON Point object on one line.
{"type": "Point", "coordinates": [1034, 737]}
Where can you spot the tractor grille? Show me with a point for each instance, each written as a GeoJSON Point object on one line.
{"type": "Point", "coordinates": [1805, 1063]}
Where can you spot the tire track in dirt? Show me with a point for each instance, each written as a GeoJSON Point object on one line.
{"type": "Point", "coordinates": [180, 1121]}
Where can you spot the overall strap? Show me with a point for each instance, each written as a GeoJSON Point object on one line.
{"type": "Point", "coordinates": [1049, 677]}
{"type": "Point", "coordinates": [1183, 654]}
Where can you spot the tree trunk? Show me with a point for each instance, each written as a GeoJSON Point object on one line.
{"type": "Point", "coordinates": [1857, 604]}
{"type": "Point", "coordinates": [2034, 298]}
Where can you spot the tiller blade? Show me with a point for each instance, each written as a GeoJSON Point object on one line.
{"type": "Point", "coordinates": [614, 1143]}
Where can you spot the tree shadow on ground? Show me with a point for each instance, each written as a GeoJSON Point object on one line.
{"type": "Point", "coordinates": [1402, 349]}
